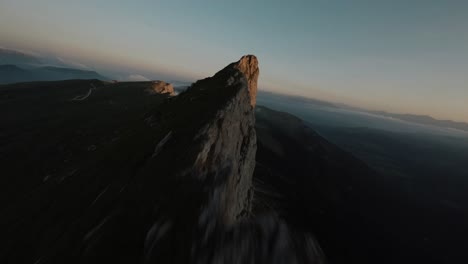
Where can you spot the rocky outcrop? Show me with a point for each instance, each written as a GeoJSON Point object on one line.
{"type": "Point", "coordinates": [161, 87]}
{"type": "Point", "coordinates": [218, 176]}
{"type": "Point", "coordinates": [248, 65]}
{"type": "Point", "coordinates": [230, 144]}
{"type": "Point", "coordinates": [215, 145]}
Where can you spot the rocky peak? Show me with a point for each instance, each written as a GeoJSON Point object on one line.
{"type": "Point", "coordinates": [227, 139]}
{"type": "Point", "coordinates": [208, 150]}
{"type": "Point", "coordinates": [248, 65]}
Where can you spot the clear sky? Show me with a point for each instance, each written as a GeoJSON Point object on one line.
{"type": "Point", "coordinates": [404, 56]}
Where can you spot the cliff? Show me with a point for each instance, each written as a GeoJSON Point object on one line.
{"type": "Point", "coordinates": [215, 133]}
{"type": "Point", "coordinates": [248, 65]}
{"type": "Point", "coordinates": [214, 182]}
{"type": "Point", "coordinates": [128, 175]}
{"type": "Point", "coordinates": [126, 162]}
{"type": "Point", "coordinates": [229, 142]}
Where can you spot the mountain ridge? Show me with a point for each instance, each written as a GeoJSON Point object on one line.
{"type": "Point", "coordinates": [412, 118]}
{"type": "Point", "coordinates": [425, 120]}
{"type": "Point", "coordinates": [10, 73]}
{"type": "Point", "coordinates": [166, 179]}
{"type": "Point", "coordinates": [9, 56]}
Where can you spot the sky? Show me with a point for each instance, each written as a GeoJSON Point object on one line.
{"type": "Point", "coordinates": [400, 56]}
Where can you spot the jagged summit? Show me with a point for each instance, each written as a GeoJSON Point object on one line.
{"type": "Point", "coordinates": [248, 65]}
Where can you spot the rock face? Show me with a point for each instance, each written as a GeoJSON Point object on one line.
{"type": "Point", "coordinates": [230, 144]}
{"type": "Point", "coordinates": [161, 87]}
{"type": "Point", "coordinates": [248, 65]}
{"type": "Point", "coordinates": [220, 171]}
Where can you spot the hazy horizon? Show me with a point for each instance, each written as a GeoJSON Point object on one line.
{"type": "Point", "coordinates": [395, 56]}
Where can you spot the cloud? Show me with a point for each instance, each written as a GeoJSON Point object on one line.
{"type": "Point", "coordinates": [137, 78]}
{"type": "Point", "coordinates": [73, 64]}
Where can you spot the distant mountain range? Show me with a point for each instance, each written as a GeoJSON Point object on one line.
{"type": "Point", "coordinates": [425, 120]}
{"type": "Point", "coordinates": [16, 66]}
{"type": "Point", "coordinates": [416, 119]}
{"type": "Point", "coordinates": [13, 74]}
{"type": "Point", "coordinates": [295, 99]}
{"type": "Point", "coordinates": [18, 58]}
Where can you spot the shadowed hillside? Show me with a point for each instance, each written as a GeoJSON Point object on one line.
{"type": "Point", "coordinates": [102, 172]}
{"type": "Point", "coordinates": [360, 215]}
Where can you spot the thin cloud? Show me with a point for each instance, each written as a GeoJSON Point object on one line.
{"type": "Point", "coordinates": [137, 78]}
{"type": "Point", "coordinates": [73, 64]}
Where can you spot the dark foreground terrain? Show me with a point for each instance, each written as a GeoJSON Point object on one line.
{"type": "Point", "coordinates": [98, 172]}
{"type": "Point", "coordinates": [360, 215]}
{"type": "Point", "coordinates": [95, 172]}
{"type": "Point", "coordinates": [419, 211]}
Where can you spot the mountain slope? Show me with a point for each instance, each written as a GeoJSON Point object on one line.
{"type": "Point", "coordinates": [97, 172]}
{"type": "Point", "coordinates": [8, 56]}
{"type": "Point", "coordinates": [315, 185]}
{"type": "Point", "coordinates": [101, 172]}
{"type": "Point", "coordinates": [357, 214]}
{"type": "Point", "coordinates": [425, 120]}
{"type": "Point", "coordinates": [14, 74]}
{"type": "Point", "coordinates": [50, 73]}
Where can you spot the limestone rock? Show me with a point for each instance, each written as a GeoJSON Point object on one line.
{"type": "Point", "coordinates": [228, 153]}
{"type": "Point", "coordinates": [248, 65]}
{"type": "Point", "coordinates": [161, 87]}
